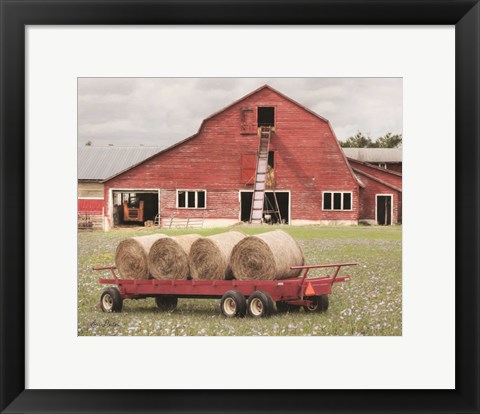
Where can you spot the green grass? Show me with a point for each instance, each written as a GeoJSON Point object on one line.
{"type": "Point", "coordinates": [369, 304]}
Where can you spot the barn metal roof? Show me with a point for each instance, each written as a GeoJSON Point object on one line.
{"type": "Point", "coordinates": [100, 163]}
{"type": "Point", "coordinates": [374, 154]}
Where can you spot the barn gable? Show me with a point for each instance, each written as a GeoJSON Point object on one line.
{"type": "Point", "coordinates": [248, 125]}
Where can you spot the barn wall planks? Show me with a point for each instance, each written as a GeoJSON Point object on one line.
{"type": "Point", "coordinates": [90, 190]}
{"type": "Point", "coordinates": [382, 174]}
{"type": "Point", "coordinates": [394, 166]}
{"type": "Point", "coordinates": [89, 205]}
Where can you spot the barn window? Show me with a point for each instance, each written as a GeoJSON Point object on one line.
{"type": "Point", "coordinates": [337, 200]}
{"type": "Point", "coordinates": [201, 199]}
{"type": "Point", "coordinates": [347, 201]}
{"type": "Point", "coordinates": [181, 197]}
{"type": "Point", "coordinates": [191, 198]}
{"type": "Point", "coordinates": [382, 165]}
{"type": "Point", "coordinates": [266, 116]}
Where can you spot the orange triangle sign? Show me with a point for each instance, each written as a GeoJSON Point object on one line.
{"type": "Point", "coordinates": [309, 291]}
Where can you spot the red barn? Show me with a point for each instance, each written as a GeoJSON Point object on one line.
{"type": "Point", "coordinates": [210, 175]}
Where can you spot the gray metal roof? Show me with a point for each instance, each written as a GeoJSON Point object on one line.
{"type": "Point", "coordinates": [100, 163]}
{"type": "Point", "coordinates": [374, 154]}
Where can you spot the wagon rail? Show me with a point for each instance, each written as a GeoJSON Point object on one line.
{"type": "Point", "coordinates": [288, 294]}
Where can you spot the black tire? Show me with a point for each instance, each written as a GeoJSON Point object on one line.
{"type": "Point", "coordinates": [166, 303]}
{"type": "Point", "coordinates": [233, 304]}
{"type": "Point", "coordinates": [111, 300]}
{"type": "Point", "coordinates": [260, 304]}
{"type": "Point", "coordinates": [320, 304]}
{"type": "Point", "coordinates": [284, 307]}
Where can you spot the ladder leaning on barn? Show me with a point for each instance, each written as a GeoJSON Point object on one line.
{"type": "Point", "coordinates": [258, 198]}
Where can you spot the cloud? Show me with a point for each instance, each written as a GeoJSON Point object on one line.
{"type": "Point", "coordinates": [161, 111]}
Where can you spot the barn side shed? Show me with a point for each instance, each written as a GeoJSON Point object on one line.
{"type": "Point", "coordinates": [381, 196]}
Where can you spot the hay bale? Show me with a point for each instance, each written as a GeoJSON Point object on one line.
{"type": "Point", "coordinates": [131, 257]}
{"type": "Point", "coordinates": [266, 256]}
{"type": "Point", "coordinates": [168, 257]}
{"type": "Point", "coordinates": [270, 177]}
{"type": "Point", "coordinates": [210, 256]}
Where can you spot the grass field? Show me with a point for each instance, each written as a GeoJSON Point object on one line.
{"type": "Point", "coordinates": [369, 304]}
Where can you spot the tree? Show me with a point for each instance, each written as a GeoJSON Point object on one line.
{"type": "Point", "coordinates": [389, 141]}
{"type": "Point", "coordinates": [361, 141]}
{"type": "Point", "coordinates": [357, 141]}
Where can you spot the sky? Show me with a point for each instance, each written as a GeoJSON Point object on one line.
{"type": "Point", "coordinates": [163, 111]}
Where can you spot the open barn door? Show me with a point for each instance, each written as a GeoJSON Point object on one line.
{"type": "Point", "coordinates": [134, 207]}
{"type": "Point", "coordinates": [384, 210]}
{"type": "Point", "coordinates": [283, 199]}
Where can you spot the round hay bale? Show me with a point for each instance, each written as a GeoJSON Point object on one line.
{"type": "Point", "coordinates": [210, 256]}
{"type": "Point", "coordinates": [168, 257]}
{"type": "Point", "coordinates": [131, 257]}
{"type": "Point", "coordinates": [266, 256]}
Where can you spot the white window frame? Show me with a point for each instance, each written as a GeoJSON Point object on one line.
{"type": "Point", "coordinates": [383, 165]}
{"type": "Point", "coordinates": [341, 201]}
{"type": "Point", "coordinates": [196, 191]}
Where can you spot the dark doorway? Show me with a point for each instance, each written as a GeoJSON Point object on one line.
{"type": "Point", "coordinates": [245, 205]}
{"type": "Point", "coordinates": [384, 210]}
{"type": "Point", "coordinates": [283, 200]}
{"type": "Point", "coordinates": [151, 205]}
{"type": "Point", "coordinates": [271, 159]}
{"type": "Point", "coordinates": [139, 206]}
{"type": "Point", "coordinates": [266, 116]}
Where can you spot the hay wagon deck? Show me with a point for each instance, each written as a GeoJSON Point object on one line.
{"type": "Point", "coordinates": [237, 296]}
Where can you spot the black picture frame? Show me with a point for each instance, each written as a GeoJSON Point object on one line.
{"type": "Point", "coordinates": [15, 15]}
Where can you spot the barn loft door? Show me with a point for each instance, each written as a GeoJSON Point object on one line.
{"type": "Point", "coordinates": [384, 210]}
{"type": "Point", "coordinates": [249, 163]}
{"type": "Point", "coordinates": [266, 116]}
{"type": "Point", "coordinates": [247, 121]}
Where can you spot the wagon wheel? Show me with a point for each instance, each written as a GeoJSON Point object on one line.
{"type": "Point", "coordinates": [111, 300]}
{"type": "Point", "coordinates": [286, 307]}
{"type": "Point", "coordinates": [260, 304]}
{"type": "Point", "coordinates": [166, 303]}
{"type": "Point", "coordinates": [319, 304]}
{"type": "Point", "coordinates": [233, 304]}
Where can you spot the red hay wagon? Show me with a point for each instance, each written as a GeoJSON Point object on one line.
{"type": "Point", "coordinates": [237, 296]}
